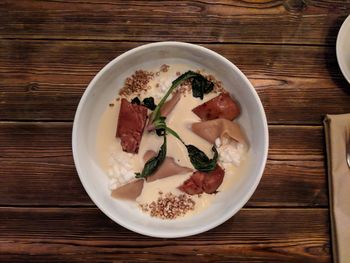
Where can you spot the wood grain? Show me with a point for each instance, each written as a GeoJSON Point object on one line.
{"type": "Point", "coordinates": [84, 234]}
{"type": "Point", "coordinates": [38, 169]}
{"type": "Point", "coordinates": [51, 49]}
{"type": "Point", "coordinates": [44, 80]}
{"type": "Point", "coordinates": [288, 21]}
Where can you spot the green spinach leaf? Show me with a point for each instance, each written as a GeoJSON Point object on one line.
{"type": "Point", "coordinates": [153, 164]}
{"type": "Point", "coordinates": [136, 100]}
{"type": "Point", "coordinates": [156, 113]}
{"type": "Point", "coordinates": [149, 103]}
{"type": "Point", "coordinates": [201, 86]}
{"type": "Point", "coordinates": [200, 160]}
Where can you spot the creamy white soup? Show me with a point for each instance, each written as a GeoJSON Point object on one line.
{"type": "Point", "coordinates": [121, 166]}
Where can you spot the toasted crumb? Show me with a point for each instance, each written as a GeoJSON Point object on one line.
{"type": "Point", "coordinates": [218, 86]}
{"type": "Point", "coordinates": [164, 68]}
{"type": "Point", "coordinates": [169, 206]}
{"type": "Point", "coordinates": [111, 104]}
{"type": "Point", "coordinates": [137, 83]}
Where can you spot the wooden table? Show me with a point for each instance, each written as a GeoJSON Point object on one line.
{"type": "Point", "coordinates": [50, 50]}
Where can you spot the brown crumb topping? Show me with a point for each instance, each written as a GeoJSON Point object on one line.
{"type": "Point", "coordinates": [169, 206]}
{"type": "Point", "coordinates": [185, 86]}
{"type": "Point", "coordinates": [218, 86]}
{"type": "Point", "coordinates": [164, 68]}
{"type": "Point", "coordinates": [137, 83]}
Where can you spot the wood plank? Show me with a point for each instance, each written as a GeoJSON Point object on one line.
{"type": "Point", "coordinates": [40, 156]}
{"type": "Point", "coordinates": [45, 79]}
{"type": "Point", "coordinates": [88, 57]}
{"type": "Point", "coordinates": [36, 158]}
{"type": "Point", "coordinates": [290, 21]}
{"type": "Point", "coordinates": [85, 234]}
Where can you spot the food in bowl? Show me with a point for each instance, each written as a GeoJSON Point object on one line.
{"type": "Point", "coordinates": [231, 196]}
{"type": "Point", "coordinates": [170, 141]}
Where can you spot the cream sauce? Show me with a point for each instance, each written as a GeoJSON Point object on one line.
{"type": "Point", "coordinates": [180, 120]}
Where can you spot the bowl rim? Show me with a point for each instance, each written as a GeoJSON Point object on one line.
{"type": "Point", "coordinates": [144, 230]}
{"type": "Point", "coordinates": [340, 38]}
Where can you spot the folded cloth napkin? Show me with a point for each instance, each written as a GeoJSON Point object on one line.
{"type": "Point", "coordinates": [336, 128]}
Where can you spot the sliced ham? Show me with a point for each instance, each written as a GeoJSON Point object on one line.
{"type": "Point", "coordinates": [168, 168]}
{"type": "Point", "coordinates": [131, 123]}
{"type": "Point", "coordinates": [201, 182]}
{"type": "Point", "coordinates": [210, 130]}
{"type": "Point", "coordinates": [222, 106]}
{"type": "Point", "coordinates": [166, 109]}
{"type": "Point", "coordinates": [129, 191]}
{"type": "Point", "coordinates": [170, 104]}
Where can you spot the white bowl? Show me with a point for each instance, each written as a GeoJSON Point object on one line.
{"type": "Point", "coordinates": [343, 48]}
{"type": "Point", "coordinates": [104, 87]}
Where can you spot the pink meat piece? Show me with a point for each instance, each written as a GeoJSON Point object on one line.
{"type": "Point", "coordinates": [129, 191]}
{"type": "Point", "coordinates": [168, 168]}
{"type": "Point", "coordinates": [166, 109]}
{"type": "Point", "coordinates": [131, 123]}
{"type": "Point", "coordinates": [222, 106]}
{"type": "Point", "coordinates": [170, 104]}
{"type": "Point", "coordinates": [219, 128]}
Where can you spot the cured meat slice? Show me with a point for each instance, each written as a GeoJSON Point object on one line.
{"type": "Point", "coordinates": [129, 191]}
{"type": "Point", "coordinates": [166, 109]}
{"type": "Point", "coordinates": [201, 182]}
{"type": "Point", "coordinates": [170, 104]}
{"type": "Point", "coordinates": [168, 168]}
{"type": "Point", "coordinates": [222, 106]}
{"type": "Point", "coordinates": [210, 130]}
{"type": "Point", "coordinates": [131, 122]}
